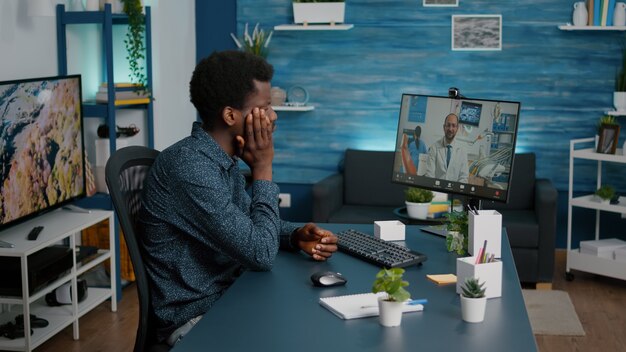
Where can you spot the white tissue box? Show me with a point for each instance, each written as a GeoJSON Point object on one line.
{"type": "Point", "coordinates": [391, 230]}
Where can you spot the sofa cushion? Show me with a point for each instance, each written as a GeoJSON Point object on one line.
{"type": "Point", "coordinates": [522, 228]}
{"type": "Point", "coordinates": [362, 214]}
{"type": "Point", "coordinates": [367, 179]}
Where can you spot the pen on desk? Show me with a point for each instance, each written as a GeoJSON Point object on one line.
{"type": "Point", "coordinates": [412, 302]}
{"type": "Point", "coordinates": [6, 244]}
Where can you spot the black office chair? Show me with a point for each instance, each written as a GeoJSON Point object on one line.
{"type": "Point", "coordinates": [125, 173]}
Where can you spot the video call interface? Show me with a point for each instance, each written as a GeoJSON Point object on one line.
{"type": "Point", "coordinates": [462, 146]}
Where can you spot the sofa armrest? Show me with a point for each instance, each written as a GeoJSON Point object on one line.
{"type": "Point", "coordinates": [545, 209]}
{"type": "Point", "coordinates": [327, 197]}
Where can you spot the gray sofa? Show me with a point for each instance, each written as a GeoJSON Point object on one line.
{"type": "Point", "coordinates": [362, 192]}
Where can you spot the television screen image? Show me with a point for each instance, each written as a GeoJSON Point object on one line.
{"type": "Point", "coordinates": [461, 147]}
{"type": "Point", "coordinates": [41, 146]}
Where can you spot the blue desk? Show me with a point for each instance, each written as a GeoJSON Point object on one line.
{"type": "Point", "coordinates": [279, 310]}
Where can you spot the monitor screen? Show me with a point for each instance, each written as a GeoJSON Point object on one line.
{"type": "Point", "coordinates": [460, 146]}
{"type": "Point", "coordinates": [41, 146]}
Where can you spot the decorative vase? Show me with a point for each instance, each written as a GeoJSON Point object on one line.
{"type": "Point", "coordinates": [417, 210]}
{"type": "Point", "coordinates": [279, 96]}
{"type": "Point", "coordinates": [324, 12]}
{"type": "Point", "coordinates": [580, 14]}
{"type": "Point", "coordinates": [619, 101]}
{"type": "Point", "coordinates": [473, 309]}
{"type": "Point", "coordinates": [619, 14]}
{"type": "Point", "coordinates": [390, 312]}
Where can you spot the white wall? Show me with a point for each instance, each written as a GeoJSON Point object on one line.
{"type": "Point", "coordinates": [28, 49]}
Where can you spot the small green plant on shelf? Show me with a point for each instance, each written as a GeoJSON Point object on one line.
{"type": "Point", "coordinates": [390, 281]}
{"type": "Point", "coordinates": [606, 120]}
{"type": "Point", "coordinates": [134, 43]}
{"type": "Point", "coordinates": [473, 289]}
{"type": "Point", "coordinates": [605, 192]}
{"type": "Point", "coordinates": [418, 195]}
{"type": "Point", "coordinates": [457, 226]}
{"type": "Point", "coordinates": [257, 43]}
{"type": "Point", "coordinates": [318, 0]}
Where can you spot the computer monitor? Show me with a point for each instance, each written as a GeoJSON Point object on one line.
{"type": "Point", "coordinates": [478, 135]}
{"type": "Point", "coordinates": [41, 146]}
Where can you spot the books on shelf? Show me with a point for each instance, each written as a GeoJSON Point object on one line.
{"type": "Point", "coordinates": [125, 94]}
{"type": "Point", "coordinates": [604, 248]}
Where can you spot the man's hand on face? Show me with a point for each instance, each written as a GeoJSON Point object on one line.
{"type": "Point", "coordinates": [257, 144]}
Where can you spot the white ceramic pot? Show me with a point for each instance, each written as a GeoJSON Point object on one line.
{"type": "Point", "coordinates": [619, 101]}
{"type": "Point", "coordinates": [417, 210]}
{"type": "Point", "coordinates": [580, 14]}
{"type": "Point", "coordinates": [322, 12]}
{"type": "Point", "coordinates": [390, 313]}
{"type": "Point", "coordinates": [473, 309]}
{"type": "Point", "coordinates": [619, 14]}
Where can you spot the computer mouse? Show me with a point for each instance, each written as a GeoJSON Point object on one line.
{"type": "Point", "coordinates": [328, 278]}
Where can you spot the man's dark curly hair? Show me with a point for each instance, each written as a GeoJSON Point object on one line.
{"type": "Point", "coordinates": [225, 79]}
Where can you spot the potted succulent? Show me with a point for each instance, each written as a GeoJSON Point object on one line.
{"type": "Point", "coordinates": [390, 307]}
{"type": "Point", "coordinates": [458, 232]}
{"type": "Point", "coordinates": [257, 43]}
{"type": "Point", "coordinates": [619, 95]}
{"type": "Point", "coordinates": [604, 194]}
{"type": "Point", "coordinates": [417, 202]}
{"type": "Point", "coordinates": [319, 11]}
{"type": "Point", "coordinates": [473, 300]}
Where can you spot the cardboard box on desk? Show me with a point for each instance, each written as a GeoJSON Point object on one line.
{"type": "Point", "coordinates": [487, 225]}
{"type": "Point", "coordinates": [489, 273]}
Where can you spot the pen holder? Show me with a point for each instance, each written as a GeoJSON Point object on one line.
{"type": "Point", "coordinates": [489, 273]}
{"type": "Point", "coordinates": [487, 225]}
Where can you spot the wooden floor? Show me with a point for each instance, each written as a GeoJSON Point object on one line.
{"type": "Point", "coordinates": [600, 304]}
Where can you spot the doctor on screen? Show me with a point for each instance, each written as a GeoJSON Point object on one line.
{"type": "Point", "coordinates": [447, 160]}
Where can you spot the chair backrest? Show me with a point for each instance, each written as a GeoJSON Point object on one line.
{"type": "Point", "coordinates": [125, 173]}
{"type": "Point", "coordinates": [522, 184]}
{"type": "Point", "coordinates": [367, 179]}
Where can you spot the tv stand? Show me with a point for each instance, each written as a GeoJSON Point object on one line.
{"type": "Point", "coordinates": [60, 226]}
{"type": "Point", "coordinates": [77, 209]}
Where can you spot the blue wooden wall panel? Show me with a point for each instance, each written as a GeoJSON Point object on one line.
{"type": "Point", "coordinates": [355, 78]}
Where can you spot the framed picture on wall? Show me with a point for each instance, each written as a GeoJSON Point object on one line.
{"type": "Point", "coordinates": [476, 32]}
{"type": "Point", "coordinates": [607, 144]}
{"type": "Point", "coordinates": [441, 3]}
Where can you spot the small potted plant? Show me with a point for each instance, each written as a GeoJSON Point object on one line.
{"type": "Point", "coordinates": [390, 307]}
{"type": "Point", "coordinates": [256, 44]}
{"type": "Point", "coordinates": [319, 11]}
{"type": "Point", "coordinates": [458, 232]}
{"type": "Point", "coordinates": [604, 194]}
{"type": "Point", "coordinates": [417, 202]}
{"type": "Point", "coordinates": [473, 300]}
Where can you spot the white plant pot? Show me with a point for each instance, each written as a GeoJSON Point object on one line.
{"type": "Point", "coordinates": [417, 210]}
{"type": "Point", "coordinates": [325, 12]}
{"type": "Point", "coordinates": [619, 101]}
{"type": "Point", "coordinates": [473, 309]}
{"type": "Point", "coordinates": [390, 313]}
{"type": "Point", "coordinates": [600, 200]}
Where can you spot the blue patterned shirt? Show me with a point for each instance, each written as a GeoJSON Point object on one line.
{"type": "Point", "coordinates": [201, 228]}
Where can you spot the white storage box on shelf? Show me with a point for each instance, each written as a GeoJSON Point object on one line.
{"type": "Point", "coordinates": [620, 254]}
{"type": "Point", "coordinates": [602, 248]}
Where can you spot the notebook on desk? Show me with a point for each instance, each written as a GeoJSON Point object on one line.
{"type": "Point", "coordinates": [360, 305]}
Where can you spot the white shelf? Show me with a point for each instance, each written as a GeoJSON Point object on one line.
{"type": "Point", "coordinates": [59, 225]}
{"type": "Point", "coordinates": [588, 202]}
{"type": "Point", "coordinates": [313, 27]}
{"type": "Point", "coordinates": [596, 265]}
{"type": "Point", "coordinates": [569, 27]}
{"type": "Point", "coordinates": [590, 154]}
{"type": "Point", "coordinates": [293, 108]}
{"type": "Point", "coordinates": [616, 113]}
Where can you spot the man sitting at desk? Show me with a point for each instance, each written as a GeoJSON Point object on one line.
{"type": "Point", "coordinates": [201, 229]}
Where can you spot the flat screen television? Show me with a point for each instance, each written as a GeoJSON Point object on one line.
{"type": "Point", "coordinates": [41, 146]}
{"type": "Point", "coordinates": [478, 135]}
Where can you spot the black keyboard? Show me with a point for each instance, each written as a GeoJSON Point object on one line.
{"type": "Point", "coordinates": [376, 251]}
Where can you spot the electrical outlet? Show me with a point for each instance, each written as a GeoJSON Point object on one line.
{"type": "Point", "coordinates": [284, 200]}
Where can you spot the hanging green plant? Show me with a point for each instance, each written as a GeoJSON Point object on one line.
{"type": "Point", "coordinates": [135, 44]}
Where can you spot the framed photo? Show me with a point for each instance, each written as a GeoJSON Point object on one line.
{"type": "Point", "coordinates": [441, 3]}
{"type": "Point", "coordinates": [476, 32]}
{"type": "Point", "coordinates": [607, 144]}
